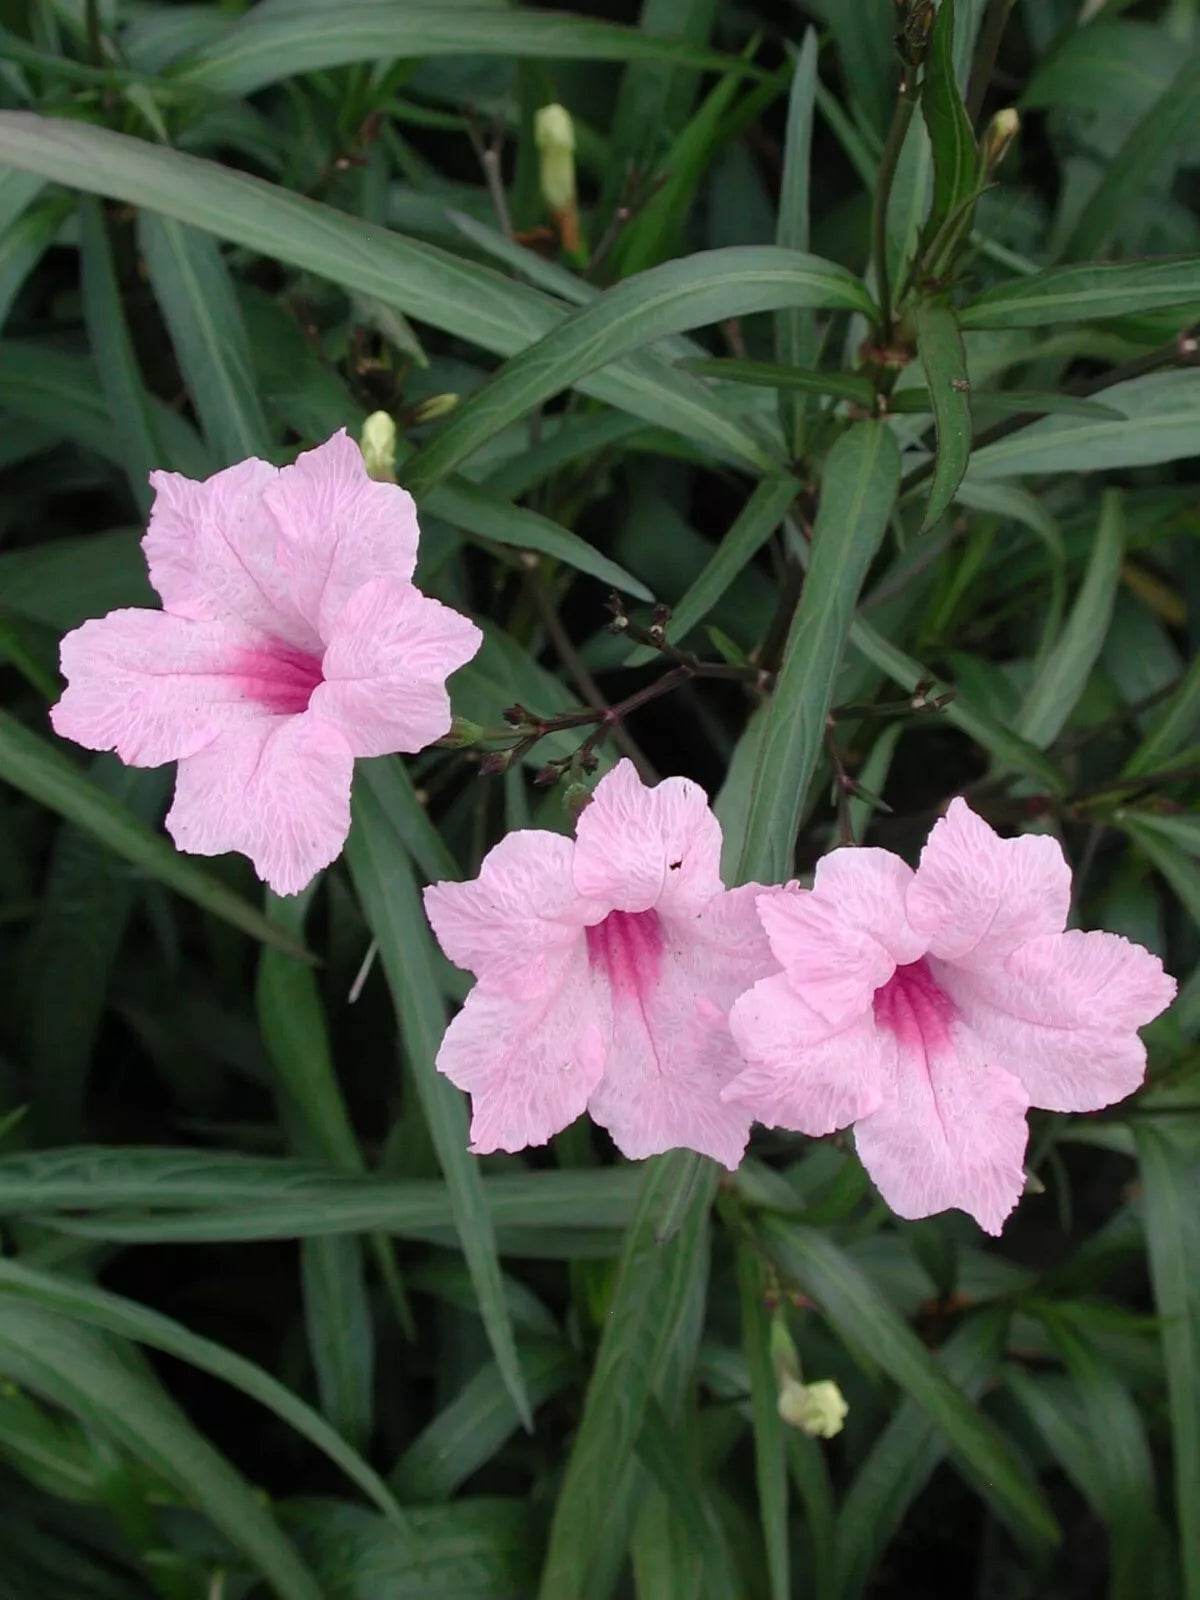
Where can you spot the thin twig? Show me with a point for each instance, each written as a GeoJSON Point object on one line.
{"type": "Point", "coordinates": [489, 153]}
{"type": "Point", "coordinates": [984, 64]}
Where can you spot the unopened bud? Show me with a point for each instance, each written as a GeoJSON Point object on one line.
{"type": "Point", "coordinates": [546, 775]}
{"type": "Point", "coordinates": [495, 762]}
{"type": "Point", "coordinates": [817, 1409]}
{"type": "Point", "coordinates": [554, 133]}
{"type": "Point", "coordinates": [998, 135]}
{"type": "Point", "coordinates": [378, 446]}
{"type": "Point", "coordinates": [576, 796]}
{"type": "Point", "coordinates": [462, 734]}
{"type": "Point", "coordinates": [438, 405]}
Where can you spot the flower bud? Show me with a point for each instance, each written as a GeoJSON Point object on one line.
{"type": "Point", "coordinates": [378, 445]}
{"type": "Point", "coordinates": [554, 133]}
{"type": "Point", "coordinates": [817, 1409]}
{"type": "Point", "coordinates": [438, 405]}
{"type": "Point", "coordinates": [998, 135]}
{"type": "Point", "coordinates": [462, 734]}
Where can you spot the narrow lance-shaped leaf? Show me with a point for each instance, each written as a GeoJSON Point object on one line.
{"type": "Point", "coordinates": [955, 156]}
{"type": "Point", "coordinates": [1081, 294]}
{"type": "Point", "coordinates": [769, 1458]}
{"type": "Point", "coordinates": [383, 877]}
{"type": "Point", "coordinates": [858, 491]}
{"type": "Point", "coordinates": [1056, 689]}
{"type": "Point", "coordinates": [795, 331]}
{"type": "Point", "coordinates": [940, 346]}
{"type": "Point", "coordinates": [689, 293]}
{"type": "Point", "coordinates": [192, 286]}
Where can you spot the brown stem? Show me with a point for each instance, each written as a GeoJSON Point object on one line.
{"type": "Point", "coordinates": [988, 48]}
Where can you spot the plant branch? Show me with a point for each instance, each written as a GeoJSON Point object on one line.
{"type": "Point", "coordinates": [986, 51]}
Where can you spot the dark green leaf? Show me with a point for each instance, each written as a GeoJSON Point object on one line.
{"type": "Point", "coordinates": [940, 347]}
{"type": "Point", "coordinates": [1084, 294]}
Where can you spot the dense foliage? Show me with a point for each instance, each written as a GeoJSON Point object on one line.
{"type": "Point", "coordinates": [891, 396]}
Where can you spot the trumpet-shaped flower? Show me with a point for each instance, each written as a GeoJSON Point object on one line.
{"type": "Point", "coordinates": [291, 640]}
{"type": "Point", "coordinates": [931, 1009]}
{"type": "Point", "coordinates": [606, 966]}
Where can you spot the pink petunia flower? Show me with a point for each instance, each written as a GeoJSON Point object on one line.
{"type": "Point", "coordinates": [606, 967]}
{"type": "Point", "coordinates": [932, 1008]}
{"type": "Point", "coordinates": [291, 640]}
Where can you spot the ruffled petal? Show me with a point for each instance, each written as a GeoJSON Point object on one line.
{"type": "Point", "coordinates": [950, 1133]}
{"type": "Point", "coordinates": [389, 654]}
{"type": "Point", "coordinates": [529, 1067]}
{"type": "Point", "coordinates": [1062, 1013]}
{"type": "Point", "coordinates": [156, 687]}
{"type": "Point", "coordinates": [277, 789]}
{"type": "Point", "coordinates": [516, 923]}
{"type": "Point", "coordinates": [169, 544]}
{"type": "Point", "coordinates": [976, 896]}
{"type": "Point", "coordinates": [797, 1073]}
{"type": "Point", "coordinates": [843, 939]}
{"type": "Point", "coordinates": [640, 847]}
{"type": "Point", "coordinates": [338, 529]}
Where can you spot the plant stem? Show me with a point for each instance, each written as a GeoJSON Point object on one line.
{"type": "Point", "coordinates": [994, 22]}
{"type": "Point", "coordinates": [884, 178]}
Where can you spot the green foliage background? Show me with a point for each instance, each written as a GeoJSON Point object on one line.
{"type": "Point", "coordinates": [866, 405]}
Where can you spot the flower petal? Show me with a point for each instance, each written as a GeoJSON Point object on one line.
{"type": "Point", "coordinates": [639, 847]}
{"type": "Point", "coordinates": [156, 687]}
{"type": "Point", "coordinates": [277, 789]}
{"type": "Point", "coordinates": [389, 654]}
{"type": "Point", "coordinates": [338, 529]}
{"type": "Point", "coordinates": [976, 896]}
{"type": "Point", "coordinates": [670, 1053]}
{"type": "Point", "coordinates": [950, 1133]}
{"type": "Point", "coordinates": [515, 924]}
{"type": "Point", "coordinates": [169, 544]}
{"type": "Point", "coordinates": [843, 939]}
{"type": "Point", "coordinates": [1062, 1013]}
{"type": "Point", "coordinates": [528, 1068]}
{"type": "Point", "coordinates": [799, 1074]}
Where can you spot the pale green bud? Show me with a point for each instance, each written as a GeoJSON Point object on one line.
{"type": "Point", "coordinates": [554, 133]}
{"type": "Point", "coordinates": [998, 135]}
{"type": "Point", "coordinates": [378, 445]}
{"type": "Point", "coordinates": [438, 405]}
{"type": "Point", "coordinates": [817, 1409]}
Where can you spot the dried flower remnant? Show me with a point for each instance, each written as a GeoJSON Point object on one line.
{"type": "Point", "coordinates": [291, 640]}
{"type": "Point", "coordinates": [931, 1009]}
{"type": "Point", "coordinates": [606, 966]}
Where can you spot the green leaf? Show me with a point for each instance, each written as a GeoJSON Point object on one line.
{"type": "Point", "coordinates": [25, 242]}
{"type": "Point", "coordinates": [767, 374]}
{"type": "Point", "coordinates": [863, 31]}
{"type": "Point", "coordinates": [1084, 294]}
{"type": "Point", "coordinates": [858, 491]}
{"type": "Point", "coordinates": [65, 581]}
{"type": "Point", "coordinates": [1181, 829]}
{"type": "Point", "coordinates": [259, 50]}
{"type": "Point", "coordinates": [467, 1433]}
{"type": "Point", "coordinates": [39, 770]}
{"type": "Point", "coordinates": [192, 286]}
{"type": "Point", "coordinates": [472, 1550]}
{"type": "Point", "coordinates": [480, 512]}
{"type": "Point", "coordinates": [1175, 864]}
{"type": "Point", "coordinates": [955, 156]}
{"type": "Point", "coordinates": [1161, 418]}
{"type": "Point", "coordinates": [427, 284]}
{"type": "Point", "coordinates": [654, 1281]}
{"type": "Point", "coordinates": [116, 361]}
{"type": "Point", "coordinates": [671, 1463]}
{"type": "Point", "coordinates": [1008, 748]}
{"type": "Point", "coordinates": [769, 1458]}
{"type": "Point", "coordinates": [866, 1321]}
{"type": "Point", "coordinates": [944, 361]}
{"type": "Point", "coordinates": [114, 1314]}
{"type": "Point", "coordinates": [1008, 403]}
{"type": "Point", "coordinates": [906, 1454]}
{"type": "Point", "coordinates": [1169, 1159]}
{"type": "Point", "coordinates": [690, 293]}
{"type": "Point", "coordinates": [795, 330]}
{"type": "Point", "coordinates": [755, 524]}
{"type": "Point", "coordinates": [1175, 726]}
{"type": "Point", "coordinates": [1056, 689]}
{"type": "Point", "coordinates": [77, 1369]}
{"type": "Point", "coordinates": [383, 878]}
{"type": "Point", "coordinates": [1154, 141]}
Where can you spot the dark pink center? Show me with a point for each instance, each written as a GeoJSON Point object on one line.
{"type": "Point", "coordinates": [627, 948]}
{"type": "Point", "coordinates": [281, 679]}
{"type": "Point", "coordinates": [912, 1006]}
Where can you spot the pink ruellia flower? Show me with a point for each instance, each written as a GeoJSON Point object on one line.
{"type": "Point", "coordinates": [606, 967]}
{"type": "Point", "coordinates": [291, 640]}
{"type": "Point", "coordinates": [932, 1008]}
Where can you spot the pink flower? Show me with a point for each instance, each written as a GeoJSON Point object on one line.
{"type": "Point", "coordinates": [932, 1008]}
{"type": "Point", "coordinates": [606, 965]}
{"type": "Point", "coordinates": [291, 640]}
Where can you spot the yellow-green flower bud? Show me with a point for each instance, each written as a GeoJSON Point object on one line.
{"type": "Point", "coordinates": [817, 1409]}
{"type": "Point", "coordinates": [998, 135]}
{"type": "Point", "coordinates": [378, 445]}
{"type": "Point", "coordinates": [438, 405]}
{"type": "Point", "coordinates": [554, 133]}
